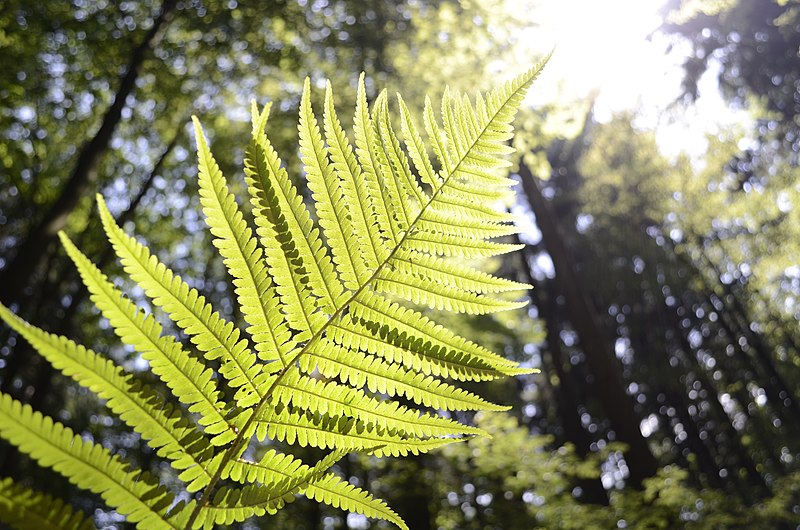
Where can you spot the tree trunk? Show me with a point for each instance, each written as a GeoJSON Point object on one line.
{"type": "Point", "coordinates": [412, 492]}
{"type": "Point", "coordinates": [15, 277]}
{"type": "Point", "coordinates": [600, 356]}
{"type": "Point", "coordinates": [741, 454]}
{"type": "Point", "coordinates": [567, 401]}
{"type": "Point", "coordinates": [778, 392]}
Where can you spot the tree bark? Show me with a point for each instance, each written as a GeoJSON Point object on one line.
{"type": "Point", "coordinates": [30, 253]}
{"type": "Point", "coordinates": [567, 401]}
{"type": "Point", "coordinates": [740, 452]}
{"type": "Point", "coordinates": [600, 356]}
{"type": "Point", "coordinates": [777, 390]}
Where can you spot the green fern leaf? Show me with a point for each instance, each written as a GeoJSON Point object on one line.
{"type": "Point", "coordinates": [424, 290]}
{"type": "Point", "coordinates": [416, 148]}
{"type": "Point", "coordinates": [278, 241]}
{"type": "Point", "coordinates": [327, 194]}
{"type": "Point", "coordinates": [231, 505]}
{"type": "Point", "coordinates": [242, 256]}
{"type": "Point", "coordinates": [136, 404]}
{"type": "Point", "coordinates": [409, 350]}
{"type": "Point", "coordinates": [24, 508]}
{"type": "Point", "coordinates": [333, 399]}
{"type": "Point", "coordinates": [391, 177]}
{"type": "Point", "coordinates": [358, 370]}
{"type": "Point", "coordinates": [281, 216]}
{"type": "Point", "coordinates": [381, 200]}
{"type": "Point", "coordinates": [354, 191]}
{"type": "Point", "coordinates": [188, 379]}
{"type": "Point", "coordinates": [325, 432]}
{"type": "Point", "coordinates": [331, 490]}
{"type": "Point", "coordinates": [453, 274]}
{"type": "Point", "coordinates": [434, 339]}
{"type": "Point", "coordinates": [188, 309]}
{"type": "Point", "coordinates": [329, 346]}
{"type": "Point", "coordinates": [132, 493]}
{"type": "Point", "coordinates": [283, 475]}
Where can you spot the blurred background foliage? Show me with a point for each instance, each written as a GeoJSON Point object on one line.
{"type": "Point", "coordinates": [664, 317]}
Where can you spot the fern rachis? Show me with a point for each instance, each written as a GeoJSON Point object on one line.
{"type": "Point", "coordinates": [323, 293]}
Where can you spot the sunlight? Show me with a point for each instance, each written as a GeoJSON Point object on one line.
{"type": "Point", "coordinates": [608, 51]}
{"type": "Point", "coordinates": [602, 48]}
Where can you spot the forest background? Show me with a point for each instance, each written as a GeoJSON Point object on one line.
{"type": "Point", "coordinates": [658, 196]}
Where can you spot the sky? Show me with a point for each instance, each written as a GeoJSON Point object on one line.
{"type": "Point", "coordinates": [609, 47]}
{"type": "Point", "coordinates": [603, 45]}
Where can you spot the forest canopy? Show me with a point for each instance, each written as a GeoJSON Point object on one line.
{"type": "Point", "coordinates": [653, 359]}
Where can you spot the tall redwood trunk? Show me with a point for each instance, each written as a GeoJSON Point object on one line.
{"type": "Point", "coordinates": [567, 401]}
{"type": "Point", "coordinates": [602, 362]}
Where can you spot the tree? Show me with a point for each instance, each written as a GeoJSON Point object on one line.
{"type": "Point", "coordinates": [691, 348]}
{"type": "Point", "coordinates": [755, 44]}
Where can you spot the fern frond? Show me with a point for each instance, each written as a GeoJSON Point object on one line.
{"type": "Point", "coordinates": [396, 158]}
{"type": "Point", "coordinates": [332, 399]}
{"type": "Point", "coordinates": [416, 148]}
{"type": "Point", "coordinates": [171, 435]}
{"type": "Point", "coordinates": [24, 508]}
{"type": "Point", "coordinates": [325, 432]}
{"type": "Point", "coordinates": [355, 192]}
{"type": "Point", "coordinates": [385, 230]}
{"type": "Point", "coordinates": [328, 198]}
{"type": "Point", "coordinates": [279, 209]}
{"type": "Point", "coordinates": [410, 350]}
{"type": "Point", "coordinates": [189, 380]}
{"type": "Point", "coordinates": [306, 411]}
{"type": "Point", "coordinates": [333, 355]}
{"type": "Point", "coordinates": [231, 505]}
{"type": "Point", "coordinates": [333, 491]}
{"type": "Point", "coordinates": [425, 291]}
{"type": "Point", "coordinates": [133, 493]}
{"type": "Point", "coordinates": [394, 185]}
{"type": "Point", "coordinates": [434, 338]}
{"type": "Point", "coordinates": [242, 256]}
{"type": "Point", "coordinates": [440, 244]}
{"type": "Point", "coordinates": [211, 334]}
{"type": "Point", "coordinates": [452, 273]}
{"type": "Point", "coordinates": [359, 370]}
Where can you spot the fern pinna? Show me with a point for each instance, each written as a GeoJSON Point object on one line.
{"type": "Point", "coordinates": [332, 332]}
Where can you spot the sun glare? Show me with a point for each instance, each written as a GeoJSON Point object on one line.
{"type": "Point", "coordinates": [602, 48]}
{"type": "Point", "coordinates": [611, 51]}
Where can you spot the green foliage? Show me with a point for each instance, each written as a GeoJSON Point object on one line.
{"type": "Point", "coordinates": [525, 483]}
{"type": "Point", "coordinates": [331, 357]}
{"type": "Point", "coordinates": [22, 507]}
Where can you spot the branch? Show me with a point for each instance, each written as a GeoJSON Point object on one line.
{"type": "Point", "coordinates": [14, 278]}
